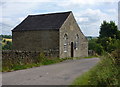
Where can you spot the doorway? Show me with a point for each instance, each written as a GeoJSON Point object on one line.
{"type": "Point", "coordinates": [72, 50]}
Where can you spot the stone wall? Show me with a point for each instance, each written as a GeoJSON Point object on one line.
{"type": "Point", "coordinates": [36, 40]}
{"type": "Point", "coordinates": [24, 57]}
{"type": "Point", "coordinates": [71, 28]}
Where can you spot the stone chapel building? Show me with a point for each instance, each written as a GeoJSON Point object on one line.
{"type": "Point", "coordinates": [58, 32]}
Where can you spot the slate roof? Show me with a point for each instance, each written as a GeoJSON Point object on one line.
{"type": "Point", "coordinates": [43, 22]}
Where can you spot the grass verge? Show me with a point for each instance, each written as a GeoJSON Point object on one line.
{"type": "Point", "coordinates": [30, 65]}
{"type": "Point", "coordinates": [82, 80]}
{"type": "Point", "coordinates": [105, 73]}
{"type": "Point", "coordinates": [91, 56]}
{"type": "Point", "coordinates": [20, 67]}
{"type": "Point", "coordinates": [41, 60]}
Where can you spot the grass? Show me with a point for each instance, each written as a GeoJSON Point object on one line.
{"type": "Point", "coordinates": [82, 80]}
{"type": "Point", "coordinates": [105, 73]}
{"type": "Point", "coordinates": [91, 56]}
{"type": "Point", "coordinates": [11, 65]}
{"type": "Point", "coordinates": [7, 39]}
{"type": "Point", "coordinates": [42, 60]}
{"type": "Point", "coordinates": [26, 66]}
{"type": "Point", "coordinates": [17, 67]}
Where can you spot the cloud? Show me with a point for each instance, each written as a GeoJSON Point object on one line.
{"type": "Point", "coordinates": [2, 3]}
{"type": "Point", "coordinates": [12, 13]}
{"type": "Point", "coordinates": [21, 18]}
{"type": "Point", "coordinates": [89, 16]}
{"type": "Point", "coordinates": [90, 30]}
{"type": "Point", "coordinates": [90, 19]}
{"type": "Point", "coordinates": [112, 11]}
{"type": "Point", "coordinates": [89, 13]}
{"type": "Point", "coordinates": [84, 2]}
{"type": "Point", "coordinates": [27, 0]}
{"type": "Point", "coordinates": [5, 28]}
{"type": "Point", "coordinates": [12, 9]}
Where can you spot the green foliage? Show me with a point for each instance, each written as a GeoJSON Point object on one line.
{"type": "Point", "coordinates": [116, 56]}
{"type": "Point", "coordinates": [6, 36]}
{"type": "Point", "coordinates": [90, 56]}
{"type": "Point", "coordinates": [41, 58]}
{"type": "Point", "coordinates": [7, 46]}
{"type": "Point", "coordinates": [11, 65]}
{"type": "Point", "coordinates": [4, 41]}
{"type": "Point", "coordinates": [20, 67]}
{"type": "Point", "coordinates": [109, 44]}
{"type": "Point", "coordinates": [0, 46]}
{"type": "Point", "coordinates": [109, 30]}
{"type": "Point", "coordinates": [109, 37]}
{"type": "Point", "coordinates": [105, 73]}
{"type": "Point", "coordinates": [108, 40]}
{"type": "Point", "coordinates": [82, 80]}
{"type": "Point", "coordinates": [93, 45]}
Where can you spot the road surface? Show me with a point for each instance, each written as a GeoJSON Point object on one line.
{"type": "Point", "coordinates": [57, 74]}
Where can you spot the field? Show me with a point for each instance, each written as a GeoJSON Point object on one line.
{"type": "Point", "coordinates": [6, 43]}
{"type": "Point", "coordinates": [7, 39]}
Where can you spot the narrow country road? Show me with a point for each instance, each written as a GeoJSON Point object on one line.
{"type": "Point", "coordinates": [57, 74]}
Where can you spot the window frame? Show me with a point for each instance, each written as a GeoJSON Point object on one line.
{"type": "Point", "coordinates": [65, 42]}
{"type": "Point", "coordinates": [77, 42]}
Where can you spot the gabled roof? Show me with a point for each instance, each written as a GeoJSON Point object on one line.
{"type": "Point", "coordinates": [43, 22]}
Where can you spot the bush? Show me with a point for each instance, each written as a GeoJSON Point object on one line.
{"type": "Point", "coordinates": [41, 58]}
{"type": "Point", "coordinates": [105, 73]}
{"type": "Point", "coordinates": [116, 56]}
{"type": "Point", "coordinates": [46, 61]}
{"type": "Point", "coordinates": [7, 46]}
{"type": "Point", "coordinates": [93, 45]}
{"type": "Point", "coordinates": [4, 41]}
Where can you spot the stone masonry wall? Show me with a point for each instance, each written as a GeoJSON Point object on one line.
{"type": "Point", "coordinates": [43, 40]}
{"type": "Point", "coordinates": [24, 57]}
{"type": "Point", "coordinates": [71, 28]}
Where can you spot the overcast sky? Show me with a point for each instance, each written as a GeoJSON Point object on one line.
{"type": "Point", "coordinates": [88, 13]}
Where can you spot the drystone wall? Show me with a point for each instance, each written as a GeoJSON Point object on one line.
{"type": "Point", "coordinates": [10, 57]}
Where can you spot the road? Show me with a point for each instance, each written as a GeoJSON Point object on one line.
{"type": "Point", "coordinates": [57, 74]}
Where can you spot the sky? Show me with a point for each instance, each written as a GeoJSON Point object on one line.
{"type": "Point", "coordinates": [89, 14]}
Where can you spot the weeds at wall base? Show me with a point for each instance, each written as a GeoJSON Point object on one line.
{"type": "Point", "coordinates": [26, 60]}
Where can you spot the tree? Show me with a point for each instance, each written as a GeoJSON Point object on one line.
{"type": "Point", "coordinates": [109, 29]}
{"type": "Point", "coordinates": [93, 45]}
{"type": "Point", "coordinates": [109, 37]}
{"type": "Point", "coordinates": [6, 36]}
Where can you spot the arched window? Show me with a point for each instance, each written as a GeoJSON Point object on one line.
{"type": "Point", "coordinates": [77, 42]}
{"type": "Point", "coordinates": [65, 42]}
